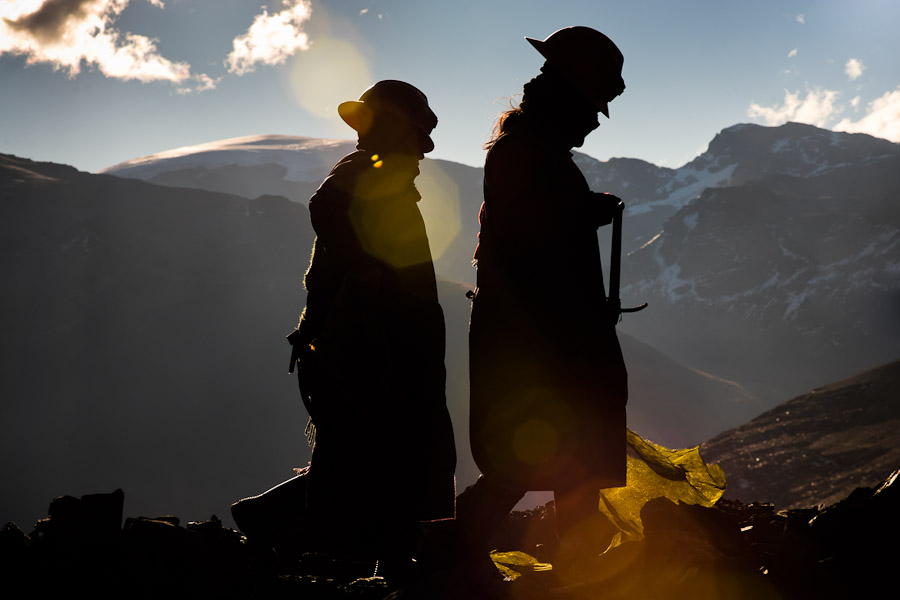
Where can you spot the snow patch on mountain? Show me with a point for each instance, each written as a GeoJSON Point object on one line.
{"type": "Point", "coordinates": [687, 185]}
{"type": "Point", "coordinates": [306, 159]}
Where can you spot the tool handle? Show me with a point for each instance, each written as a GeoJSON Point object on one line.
{"type": "Point", "coordinates": [615, 255]}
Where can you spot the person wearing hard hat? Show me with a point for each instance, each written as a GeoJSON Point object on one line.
{"type": "Point", "coordinates": [548, 382]}
{"type": "Point", "coordinates": [370, 343]}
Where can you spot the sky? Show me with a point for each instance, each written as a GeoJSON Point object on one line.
{"type": "Point", "coordinates": [92, 83]}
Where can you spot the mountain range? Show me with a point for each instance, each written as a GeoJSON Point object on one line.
{"type": "Point", "coordinates": [143, 345]}
{"type": "Point", "coordinates": [787, 274]}
{"type": "Point", "coordinates": [142, 337]}
{"type": "Point", "coordinates": [785, 238]}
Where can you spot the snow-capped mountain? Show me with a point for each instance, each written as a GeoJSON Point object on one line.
{"type": "Point", "coordinates": [737, 155]}
{"type": "Point", "coordinates": [772, 258]}
{"type": "Point", "coordinates": [249, 166]}
{"type": "Point", "coordinates": [787, 270]}
{"type": "Point", "coordinates": [143, 345]}
{"type": "Point", "coordinates": [294, 167]}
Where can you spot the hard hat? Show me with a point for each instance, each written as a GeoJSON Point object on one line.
{"type": "Point", "coordinates": [391, 96]}
{"type": "Point", "coordinates": [588, 59]}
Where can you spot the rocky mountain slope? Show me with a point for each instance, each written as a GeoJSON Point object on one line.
{"type": "Point", "coordinates": [818, 447]}
{"type": "Point", "coordinates": [736, 155]}
{"type": "Point", "coordinates": [800, 264]}
{"type": "Point", "coordinates": [143, 346]}
{"type": "Point", "coordinates": [785, 238]}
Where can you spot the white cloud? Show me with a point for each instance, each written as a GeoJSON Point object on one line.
{"type": "Point", "coordinates": [792, 53]}
{"type": "Point", "coordinates": [271, 39]}
{"type": "Point", "coordinates": [882, 118]}
{"type": "Point", "coordinates": [801, 18]}
{"type": "Point", "coordinates": [817, 108]}
{"type": "Point", "coordinates": [157, 3]}
{"type": "Point", "coordinates": [67, 33]}
{"type": "Point", "coordinates": [202, 83]}
{"type": "Point", "coordinates": [854, 68]}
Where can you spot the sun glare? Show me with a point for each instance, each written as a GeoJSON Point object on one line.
{"type": "Point", "coordinates": [330, 72]}
{"type": "Point", "coordinates": [439, 206]}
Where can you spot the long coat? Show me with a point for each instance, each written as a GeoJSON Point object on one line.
{"type": "Point", "coordinates": [548, 382]}
{"type": "Point", "coordinates": [384, 440]}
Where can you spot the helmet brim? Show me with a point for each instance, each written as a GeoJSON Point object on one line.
{"type": "Point", "coordinates": [593, 96]}
{"type": "Point", "coordinates": [356, 114]}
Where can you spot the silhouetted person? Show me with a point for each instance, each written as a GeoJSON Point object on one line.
{"type": "Point", "coordinates": [548, 382]}
{"type": "Point", "coordinates": [370, 342]}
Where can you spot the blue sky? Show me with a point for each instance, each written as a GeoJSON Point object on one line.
{"type": "Point", "coordinates": [95, 82]}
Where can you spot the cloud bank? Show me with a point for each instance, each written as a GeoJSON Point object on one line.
{"type": "Point", "coordinates": [67, 33]}
{"type": "Point", "coordinates": [882, 118]}
{"type": "Point", "coordinates": [74, 34]}
{"type": "Point", "coordinates": [271, 39]}
{"type": "Point", "coordinates": [819, 107]}
{"type": "Point", "coordinates": [816, 108]}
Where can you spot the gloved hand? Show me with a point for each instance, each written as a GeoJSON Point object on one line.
{"type": "Point", "coordinates": [603, 208]}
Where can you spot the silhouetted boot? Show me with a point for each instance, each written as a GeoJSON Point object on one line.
{"type": "Point", "coordinates": [480, 510]}
{"type": "Point", "coordinates": [584, 534]}
{"type": "Point", "coordinates": [276, 518]}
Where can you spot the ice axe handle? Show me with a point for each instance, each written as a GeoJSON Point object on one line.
{"type": "Point", "coordinates": [615, 266]}
{"type": "Point", "coordinates": [615, 258]}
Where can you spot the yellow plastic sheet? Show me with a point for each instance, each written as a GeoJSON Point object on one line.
{"type": "Point", "coordinates": [654, 471]}
{"type": "Point", "coordinates": [511, 563]}
{"type": "Point", "coordinates": [657, 472]}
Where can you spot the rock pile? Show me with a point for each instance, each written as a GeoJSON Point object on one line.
{"type": "Point", "coordinates": [730, 551]}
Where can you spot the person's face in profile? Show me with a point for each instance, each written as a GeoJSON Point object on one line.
{"type": "Point", "coordinates": [391, 134]}
{"type": "Point", "coordinates": [580, 120]}
{"type": "Point", "coordinates": [583, 116]}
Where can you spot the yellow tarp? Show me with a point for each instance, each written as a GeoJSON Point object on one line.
{"type": "Point", "coordinates": [657, 472]}
{"type": "Point", "coordinates": [653, 472]}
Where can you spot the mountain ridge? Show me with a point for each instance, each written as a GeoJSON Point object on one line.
{"type": "Point", "coordinates": [818, 447]}
{"type": "Point", "coordinates": [147, 329]}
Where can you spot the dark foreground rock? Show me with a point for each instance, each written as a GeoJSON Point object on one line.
{"type": "Point", "coordinates": [730, 551]}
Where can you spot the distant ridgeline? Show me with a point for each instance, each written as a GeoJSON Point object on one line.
{"type": "Point", "coordinates": [143, 340]}
{"type": "Point", "coordinates": [785, 238]}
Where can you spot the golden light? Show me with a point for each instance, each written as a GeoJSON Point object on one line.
{"type": "Point", "coordinates": [535, 441]}
{"type": "Point", "coordinates": [385, 216]}
{"type": "Point", "coordinates": [439, 206]}
{"type": "Point", "coordinates": [330, 72]}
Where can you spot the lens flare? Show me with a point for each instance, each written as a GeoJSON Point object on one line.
{"type": "Point", "coordinates": [330, 72]}
{"type": "Point", "coordinates": [535, 441]}
{"type": "Point", "coordinates": [439, 206]}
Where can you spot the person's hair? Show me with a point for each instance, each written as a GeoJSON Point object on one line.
{"type": "Point", "coordinates": [505, 122]}
{"type": "Point", "coordinates": [543, 94]}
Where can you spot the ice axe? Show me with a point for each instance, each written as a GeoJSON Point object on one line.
{"type": "Point", "coordinates": [615, 266]}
